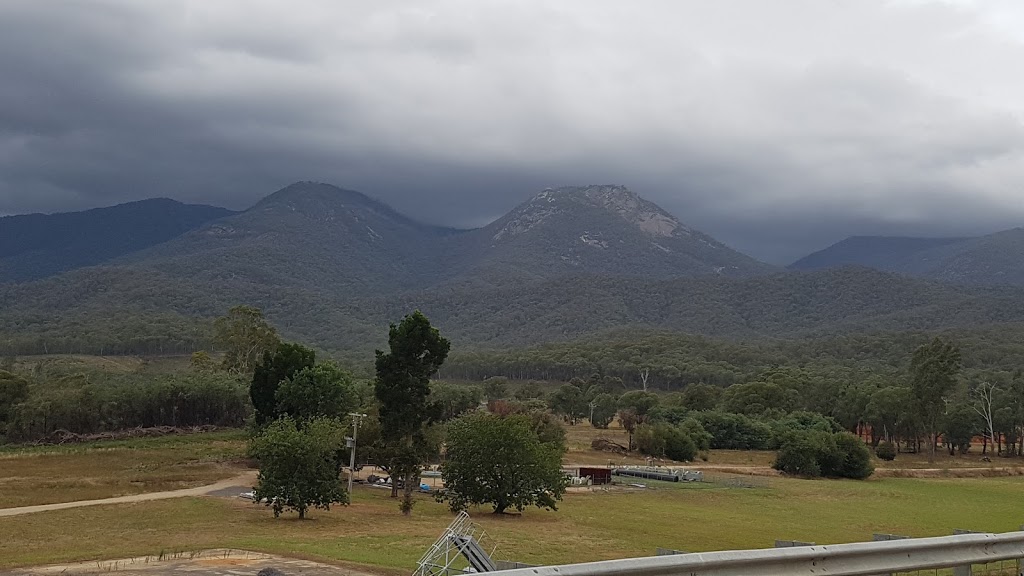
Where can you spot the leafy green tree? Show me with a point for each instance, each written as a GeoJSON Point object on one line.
{"type": "Point", "coordinates": [734, 431]}
{"type": "Point", "coordinates": [602, 410]}
{"type": "Point", "coordinates": [320, 391]}
{"type": "Point", "coordinates": [629, 421]}
{"type": "Point", "coordinates": [13, 391]}
{"type": "Point", "coordinates": [501, 462]}
{"type": "Point", "coordinates": [298, 467]}
{"type": "Point", "coordinates": [529, 391]}
{"type": "Point", "coordinates": [284, 362]}
{"type": "Point", "coordinates": [701, 397]}
{"type": "Point", "coordinates": [701, 437]}
{"type": "Point", "coordinates": [934, 368]}
{"type": "Point", "coordinates": [449, 401]}
{"type": "Point", "coordinates": [245, 336]}
{"type": "Point", "coordinates": [959, 426]}
{"type": "Point", "coordinates": [889, 411]}
{"type": "Point", "coordinates": [801, 420]}
{"type": "Point", "coordinates": [570, 402]}
{"type": "Point", "coordinates": [495, 388]}
{"type": "Point", "coordinates": [417, 350]}
{"type": "Point", "coordinates": [757, 398]}
{"type": "Point", "coordinates": [640, 402]}
{"type": "Point", "coordinates": [202, 363]}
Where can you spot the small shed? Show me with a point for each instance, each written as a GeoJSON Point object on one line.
{"type": "Point", "coordinates": [597, 476]}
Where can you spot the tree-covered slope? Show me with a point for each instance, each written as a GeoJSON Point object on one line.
{"type": "Point", "coordinates": [36, 246]}
{"type": "Point", "coordinates": [987, 260]}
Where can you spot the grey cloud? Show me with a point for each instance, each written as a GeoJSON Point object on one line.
{"type": "Point", "coordinates": [777, 127]}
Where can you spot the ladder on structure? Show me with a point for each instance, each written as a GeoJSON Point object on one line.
{"type": "Point", "coordinates": [459, 544]}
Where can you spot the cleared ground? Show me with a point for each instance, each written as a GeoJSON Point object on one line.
{"type": "Point", "coordinates": [50, 474]}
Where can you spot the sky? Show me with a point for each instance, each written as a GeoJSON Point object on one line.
{"type": "Point", "coordinates": [777, 127]}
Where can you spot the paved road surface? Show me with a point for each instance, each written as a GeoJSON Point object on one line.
{"type": "Point", "coordinates": [246, 479]}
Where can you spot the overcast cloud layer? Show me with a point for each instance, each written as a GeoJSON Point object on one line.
{"type": "Point", "coordinates": [778, 127]}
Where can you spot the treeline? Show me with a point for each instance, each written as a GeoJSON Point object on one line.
{"type": "Point", "coordinates": [111, 333]}
{"type": "Point", "coordinates": [34, 406]}
{"type": "Point", "coordinates": [930, 401]}
{"type": "Point", "coordinates": [673, 361]}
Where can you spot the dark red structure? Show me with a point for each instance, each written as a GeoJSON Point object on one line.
{"type": "Point", "coordinates": [597, 476]}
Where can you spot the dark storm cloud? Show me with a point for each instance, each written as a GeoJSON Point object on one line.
{"type": "Point", "coordinates": [778, 127]}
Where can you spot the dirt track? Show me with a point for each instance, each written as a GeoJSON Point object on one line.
{"type": "Point", "coordinates": [246, 479]}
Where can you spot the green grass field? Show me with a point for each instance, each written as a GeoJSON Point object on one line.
{"type": "Point", "coordinates": [588, 526]}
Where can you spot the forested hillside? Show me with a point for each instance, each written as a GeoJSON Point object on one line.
{"type": "Point", "coordinates": [989, 260]}
{"type": "Point", "coordinates": [40, 245]}
{"type": "Point", "coordinates": [333, 268]}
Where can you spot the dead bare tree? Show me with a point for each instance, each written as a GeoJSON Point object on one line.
{"type": "Point", "coordinates": [983, 395]}
{"type": "Point", "coordinates": [645, 373]}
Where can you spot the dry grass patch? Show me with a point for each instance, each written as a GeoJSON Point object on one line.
{"type": "Point", "coordinates": [51, 474]}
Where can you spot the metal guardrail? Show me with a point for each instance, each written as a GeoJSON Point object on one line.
{"type": "Point", "coordinates": [857, 559]}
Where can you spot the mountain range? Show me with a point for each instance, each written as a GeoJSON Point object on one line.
{"type": "Point", "coordinates": [989, 260]}
{"type": "Point", "coordinates": [332, 267]}
{"type": "Point", "coordinates": [35, 246]}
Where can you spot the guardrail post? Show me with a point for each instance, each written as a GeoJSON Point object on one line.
{"type": "Point", "coordinates": [791, 543]}
{"type": "Point", "coordinates": [964, 570]}
{"type": "Point", "coordinates": [885, 538]}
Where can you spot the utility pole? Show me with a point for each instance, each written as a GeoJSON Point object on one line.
{"type": "Point", "coordinates": [352, 458]}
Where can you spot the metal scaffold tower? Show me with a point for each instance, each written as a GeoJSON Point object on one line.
{"type": "Point", "coordinates": [459, 550]}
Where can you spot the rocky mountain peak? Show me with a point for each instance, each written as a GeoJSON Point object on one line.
{"type": "Point", "coordinates": [617, 199]}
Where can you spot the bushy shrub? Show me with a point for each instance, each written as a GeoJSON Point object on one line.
{"type": "Point", "coordinates": [734, 431]}
{"type": "Point", "coordinates": [856, 458]}
{"type": "Point", "coordinates": [801, 453]}
{"type": "Point", "coordinates": [796, 421]}
{"type": "Point", "coordinates": [664, 440]}
{"type": "Point", "coordinates": [668, 414]}
{"type": "Point", "coordinates": [701, 437]}
{"type": "Point", "coordinates": [886, 451]}
{"type": "Point", "coordinates": [649, 440]}
{"type": "Point", "coordinates": [814, 453]}
{"type": "Point", "coordinates": [679, 446]}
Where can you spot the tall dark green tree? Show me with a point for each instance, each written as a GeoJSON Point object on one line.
{"type": "Point", "coordinates": [287, 360]}
{"type": "Point", "coordinates": [934, 369]}
{"type": "Point", "coordinates": [402, 388]}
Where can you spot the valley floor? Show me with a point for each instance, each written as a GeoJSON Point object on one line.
{"type": "Point", "coordinates": [371, 535]}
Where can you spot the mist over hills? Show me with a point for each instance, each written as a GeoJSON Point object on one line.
{"type": "Point", "coordinates": [332, 267]}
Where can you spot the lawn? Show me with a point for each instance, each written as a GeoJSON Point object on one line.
{"type": "Point", "coordinates": [31, 475]}
{"type": "Point", "coordinates": [588, 526]}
